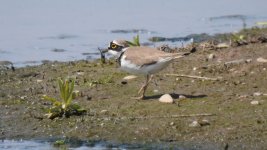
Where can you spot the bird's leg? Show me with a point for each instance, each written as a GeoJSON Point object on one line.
{"type": "Point", "coordinates": [142, 90]}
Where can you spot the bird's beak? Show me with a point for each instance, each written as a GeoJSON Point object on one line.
{"type": "Point", "coordinates": [103, 50]}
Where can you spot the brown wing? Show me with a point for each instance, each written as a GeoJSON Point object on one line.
{"type": "Point", "coordinates": [146, 55]}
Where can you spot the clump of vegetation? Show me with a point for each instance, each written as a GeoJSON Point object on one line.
{"type": "Point", "coordinates": [239, 39]}
{"type": "Point", "coordinates": [59, 143]}
{"type": "Point", "coordinates": [64, 107]}
{"type": "Point", "coordinates": [103, 80]}
{"type": "Point", "coordinates": [135, 42]}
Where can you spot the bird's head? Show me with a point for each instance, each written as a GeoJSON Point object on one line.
{"type": "Point", "coordinates": [116, 47]}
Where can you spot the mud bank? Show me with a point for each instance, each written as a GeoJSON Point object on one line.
{"type": "Point", "coordinates": [236, 102]}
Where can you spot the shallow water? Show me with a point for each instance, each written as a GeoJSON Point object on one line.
{"type": "Point", "coordinates": [31, 30]}
{"type": "Point", "coordinates": [75, 144]}
{"type": "Point", "coordinates": [46, 145]}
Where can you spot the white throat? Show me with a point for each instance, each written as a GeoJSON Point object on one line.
{"type": "Point", "coordinates": [116, 53]}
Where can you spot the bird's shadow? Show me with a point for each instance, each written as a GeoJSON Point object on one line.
{"type": "Point", "coordinates": [174, 96]}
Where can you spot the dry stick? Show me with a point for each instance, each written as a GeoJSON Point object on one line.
{"type": "Point", "coordinates": [195, 77]}
{"type": "Point", "coordinates": [171, 116]}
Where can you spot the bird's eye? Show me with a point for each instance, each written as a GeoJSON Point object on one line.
{"type": "Point", "coordinates": [113, 46]}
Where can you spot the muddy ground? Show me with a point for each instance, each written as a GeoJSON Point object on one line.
{"type": "Point", "coordinates": [235, 104]}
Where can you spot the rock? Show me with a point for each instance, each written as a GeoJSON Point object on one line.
{"type": "Point", "coordinates": [80, 73]}
{"type": "Point", "coordinates": [124, 82]}
{"type": "Point", "coordinates": [204, 122]}
{"type": "Point", "coordinates": [166, 98]}
{"type": "Point", "coordinates": [248, 61]}
{"type": "Point", "coordinates": [222, 45]}
{"type": "Point", "coordinates": [194, 124]}
{"type": "Point", "coordinates": [260, 59]}
{"type": "Point", "coordinates": [39, 81]}
{"type": "Point", "coordinates": [130, 77]}
{"type": "Point", "coordinates": [211, 56]}
{"type": "Point", "coordinates": [182, 97]}
{"type": "Point", "coordinates": [155, 91]}
{"type": "Point", "coordinates": [257, 94]}
{"type": "Point", "coordinates": [104, 111]}
{"type": "Point", "coordinates": [254, 102]}
{"type": "Point", "coordinates": [127, 78]}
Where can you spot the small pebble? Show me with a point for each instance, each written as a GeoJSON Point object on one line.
{"type": "Point", "coordinates": [155, 91]}
{"type": "Point", "coordinates": [23, 97]}
{"type": "Point", "coordinates": [182, 97]}
{"type": "Point", "coordinates": [130, 77]}
{"type": "Point", "coordinates": [254, 102]}
{"type": "Point", "coordinates": [39, 81]}
{"type": "Point", "coordinates": [248, 61]}
{"type": "Point", "coordinates": [80, 73]}
{"type": "Point", "coordinates": [104, 111]}
{"type": "Point", "coordinates": [194, 124]}
{"type": "Point", "coordinates": [222, 45]}
{"type": "Point", "coordinates": [257, 94]}
{"type": "Point", "coordinates": [211, 56]}
{"type": "Point", "coordinates": [127, 78]}
{"type": "Point", "coordinates": [204, 122]}
{"type": "Point", "coordinates": [166, 98]}
{"type": "Point", "coordinates": [260, 59]}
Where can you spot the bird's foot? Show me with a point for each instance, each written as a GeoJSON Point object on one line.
{"type": "Point", "coordinates": [142, 97]}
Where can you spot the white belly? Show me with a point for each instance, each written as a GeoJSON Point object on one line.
{"type": "Point", "coordinates": [127, 66]}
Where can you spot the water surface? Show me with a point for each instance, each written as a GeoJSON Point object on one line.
{"type": "Point", "coordinates": [31, 30]}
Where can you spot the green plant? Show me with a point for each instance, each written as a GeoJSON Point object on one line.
{"type": "Point", "coordinates": [58, 143]}
{"type": "Point", "coordinates": [65, 105]}
{"type": "Point", "coordinates": [239, 39]}
{"type": "Point", "coordinates": [263, 23]}
{"type": "Point", "coordinates": [135, 42]}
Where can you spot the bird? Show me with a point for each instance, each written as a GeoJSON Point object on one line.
{"type": "Point", "coordinates": [140, 60]}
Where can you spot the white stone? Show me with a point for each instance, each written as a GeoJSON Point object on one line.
{"type": "Point", "coordinates": [260, 59]}
{"type": "Point", "coordinates": [172, 123]}
{"type": "Point", "coordinates": [80, 73]}
{"type": "Point", "coordinates": [130, 77]}
{"type": "Point", "coordinates": [194, 124]}
{"type": "Point", "coordinates": [204, 122]}
{"type": "Point", "coordinates": [39, 81]}
{"type": "Point", "coordinates": [211, 56]}
{"type": "Point", "coordinates": [104, 111]}
{"type": "Point", "coordinates": [248, 60]}
{"type": "Point", "coordinates": [222, 45]}
{"type": "Point", "coordinates": [254, 102]}
{"type": "Point", "coordinates": [166, 98]}
{"type": "Point", "coordinates": [155, 91]}
{"type": "Point", "coordinates": [257, 94]}
{"type": "Point", "coordinates": [182, 97]}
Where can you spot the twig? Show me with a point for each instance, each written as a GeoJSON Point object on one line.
{"type": "Point", "coordinates": [195, 77]}
{"type": "Point", "coordinates": [153, 117]}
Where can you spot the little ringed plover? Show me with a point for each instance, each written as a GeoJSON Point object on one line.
{"type": "Point", "coordinates": [140, 60]}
